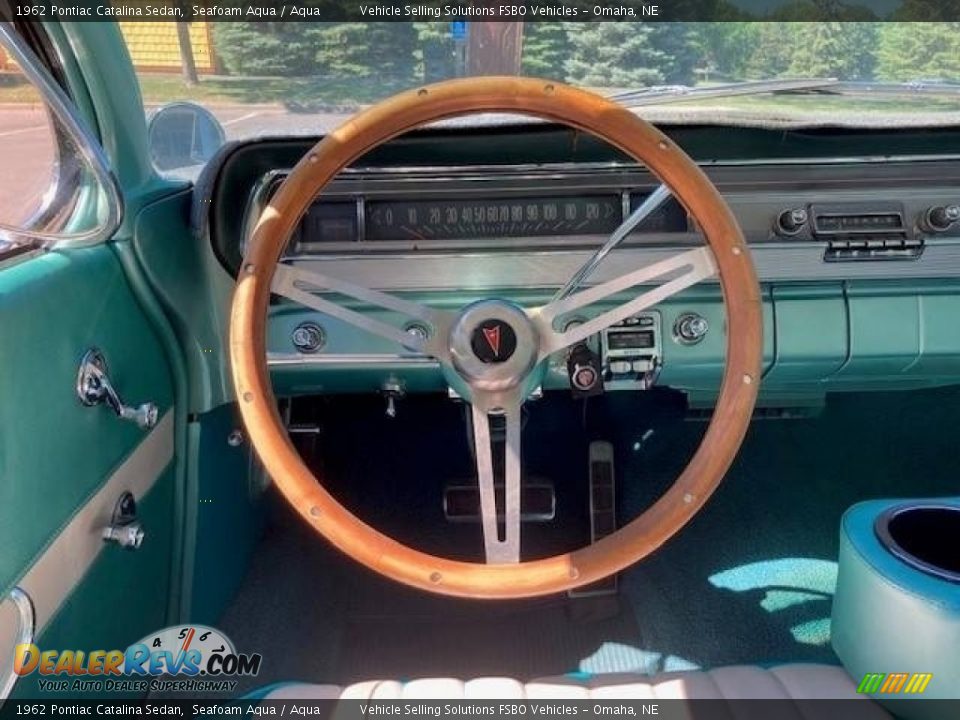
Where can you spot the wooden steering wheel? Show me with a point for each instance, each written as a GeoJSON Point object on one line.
{"type": "Point", "coordinates": [493, 351]}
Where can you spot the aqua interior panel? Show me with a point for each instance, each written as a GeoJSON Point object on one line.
{"type": "Point", "coordinates": [884, 332]}
{"type": "Point", "coordinates": [939, 336]}
{"type": "Point", "coordinates": [228, 511]}
{"type": "Point", "coordinates": [810, 332]}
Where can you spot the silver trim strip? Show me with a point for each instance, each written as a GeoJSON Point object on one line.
{"type": "Point", "coordinates": [88, 146]}
{"type": "Point", "coordinates": [66, 560]}
{"type": "Point", "coordinates": [775, 262]}
{"type": "Point", "coordinates": [369, 360]}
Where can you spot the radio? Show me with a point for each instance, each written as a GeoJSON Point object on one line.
{"type": "Point", "coordinates": [630, 352]}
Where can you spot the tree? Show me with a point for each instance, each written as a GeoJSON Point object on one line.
{"type": "Point", "coordinates": [186, 54]}
{"type": "Point", "coordinates": [546, 46]}
{"type": "Point", "coordinates": [833, 49]}
{"type": "Point", "coordinates": [384, 50]}
{"type": "Point", "coordinates": [919, 50]}
{"type": "Point", "coordinates": [725, 48]}
{"type": "Point", "coordinates": [437, 54]}
{"type": "Point", "coordinates": [267, 48]}
{"type": "Point", "coordinates": [631, 54]}
{"type": "Point", "coordinates": [772, 51]}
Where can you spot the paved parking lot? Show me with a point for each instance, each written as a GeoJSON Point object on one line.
{"type": "Point", "coordinates": [26, 160]}
{"type": "Point", "coordinates": [27, 153]}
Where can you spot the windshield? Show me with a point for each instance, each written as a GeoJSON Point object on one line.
{"type": "Point", "coordinates": [305, 77]}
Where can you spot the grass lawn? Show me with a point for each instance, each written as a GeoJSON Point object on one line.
{"type": "Point", "coordinates": [317, 94]}
{"type": "Point", "coordinates": [294, 93]}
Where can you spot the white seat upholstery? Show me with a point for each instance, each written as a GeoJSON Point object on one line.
{"type": "Point", "coordinates": [744, 682]}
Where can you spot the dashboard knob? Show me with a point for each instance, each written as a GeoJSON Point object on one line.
{"type": "Point", "coordinates": [308, 337]}
{"type": "Point", "coordinates": [940, 218]}
{"type": "Point", "coordinates": [690, 328]}
{"type": "Point", "coordinates": [792, 221]}
{"type": "Point", "coordinates": [583, 370]}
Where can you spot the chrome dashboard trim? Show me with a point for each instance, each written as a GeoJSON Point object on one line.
{"type": "Point", "coordinates": [275, 359]}
{"type": "Point", "coordinates": [746, 193]}
{"type": "Point", "coordinates": [775, 262]}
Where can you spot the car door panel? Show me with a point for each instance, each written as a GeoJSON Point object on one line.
{"type": "Point", "coordinates": [64, 465]}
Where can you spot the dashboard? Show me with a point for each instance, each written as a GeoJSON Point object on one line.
{"type": "Point", "coordinates": [858, 258]}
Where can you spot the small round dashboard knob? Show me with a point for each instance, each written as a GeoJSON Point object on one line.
{"type": "Point", "coordinates": [690, 328]}
{"type": "Point", "coordinates": [790, 222]}
{"type": "Point", "coordinates": [940, 218]}
{"type": "Point", "coordinates": [308, 337]}
{"type": "Point", "coordinates": [584, 377]}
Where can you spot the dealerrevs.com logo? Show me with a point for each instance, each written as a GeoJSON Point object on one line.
{"type": "Point", "coordinates": [186, 658]}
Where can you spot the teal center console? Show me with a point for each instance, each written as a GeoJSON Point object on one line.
{"type": "Point", "coordinates": [896, 612]}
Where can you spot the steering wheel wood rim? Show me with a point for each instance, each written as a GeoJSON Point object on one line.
{"type": "Point", "coordinates": [582, 110]}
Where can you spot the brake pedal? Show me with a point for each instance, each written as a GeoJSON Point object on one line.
{"type": "Point", "coordinates": [603, 511]}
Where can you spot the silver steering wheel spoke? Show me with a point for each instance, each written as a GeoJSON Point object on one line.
{"type": "Point", "coordinates": [303, 286]}
{"type": "Point", "coordinates": [677, 273]}
{"type": "Point", "coordinates": [506, 548]}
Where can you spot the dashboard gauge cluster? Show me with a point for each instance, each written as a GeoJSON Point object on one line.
{"type": "Point", "coordinates": [375, 210]}
{"type": "Point", "coordinates": [493, 217]}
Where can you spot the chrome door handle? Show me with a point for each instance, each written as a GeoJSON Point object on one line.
{"type": "Point", "coordinates": [25, 634]}
{"type": "Point", "coordinates": [94, 388]}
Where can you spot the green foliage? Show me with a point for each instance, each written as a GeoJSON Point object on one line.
{"type": "Point", "coordinates": [631, 54]}
{"type": "Point", "coordinates": [391, 55]}
{"type": "Point", "coordinates": [546, 46]}
{"type": "Point", "coordinates": [772, 51]}
{"type": "Point", "coordinates": [267, 48]}
{"type": "Point", "coordinates": [437, 51]}
{"type": "Point", "coordinates": [833, 49]}
{"type": "Point", "coordinates": [362, 50]}
{"type": "Point", "coordinates": [921, 50]}
{"type": "Point", "coordinates": [724, 49]}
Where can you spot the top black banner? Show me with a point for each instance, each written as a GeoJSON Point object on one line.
{"type": "Point", "coordinates": [483, 10]}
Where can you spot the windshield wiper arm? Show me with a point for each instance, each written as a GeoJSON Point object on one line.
{"type": "Point", "coordinates": [657, 95]}
{"type": "Point", "coordinates": [910, 88]}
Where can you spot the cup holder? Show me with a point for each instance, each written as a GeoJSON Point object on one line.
{"type": "Point", "coordinates": [925, 537]}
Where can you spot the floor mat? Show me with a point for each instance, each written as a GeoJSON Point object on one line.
{"type": "Point", "coordinates": [316, 616]}
{"type": "Point", "coordinates": [750, 580]}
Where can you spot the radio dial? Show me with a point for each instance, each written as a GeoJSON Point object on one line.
{"type": "Point", "coordinates": [940, 218]}
{"type": "Point", "coordinates": [790, 222]}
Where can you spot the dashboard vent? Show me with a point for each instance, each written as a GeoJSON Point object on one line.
{"type": "Point", "coordinates": [875, 231]}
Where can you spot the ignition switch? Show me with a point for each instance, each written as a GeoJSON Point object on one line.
{"type": "Point", "coordinates": [583, 369]}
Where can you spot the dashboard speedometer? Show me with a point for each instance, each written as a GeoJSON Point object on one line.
{"type": "Point", "coordinates": [460, 219]}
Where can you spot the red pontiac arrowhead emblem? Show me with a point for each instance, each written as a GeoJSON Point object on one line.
{"type": "Point", "coordinates": [492, 334]}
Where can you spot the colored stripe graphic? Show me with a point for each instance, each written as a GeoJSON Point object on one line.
{"type": "Point", "coordinates": [918, 682]}
{"type": "Point", "coordinates": [871, 683]}
{"type": "Point", "coordinates": [894, 683]}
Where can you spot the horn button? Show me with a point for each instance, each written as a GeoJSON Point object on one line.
{"type": "Point", "coordinates": [493, 341]}
{"type": "Point", "coordinates": [493, 345]}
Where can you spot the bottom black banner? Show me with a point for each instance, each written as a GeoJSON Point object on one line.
{"type": "Point", "coordinates": [356, 709]}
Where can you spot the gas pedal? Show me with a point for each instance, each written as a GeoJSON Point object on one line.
{"type": "Point", "coordinates": [603, 511]}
